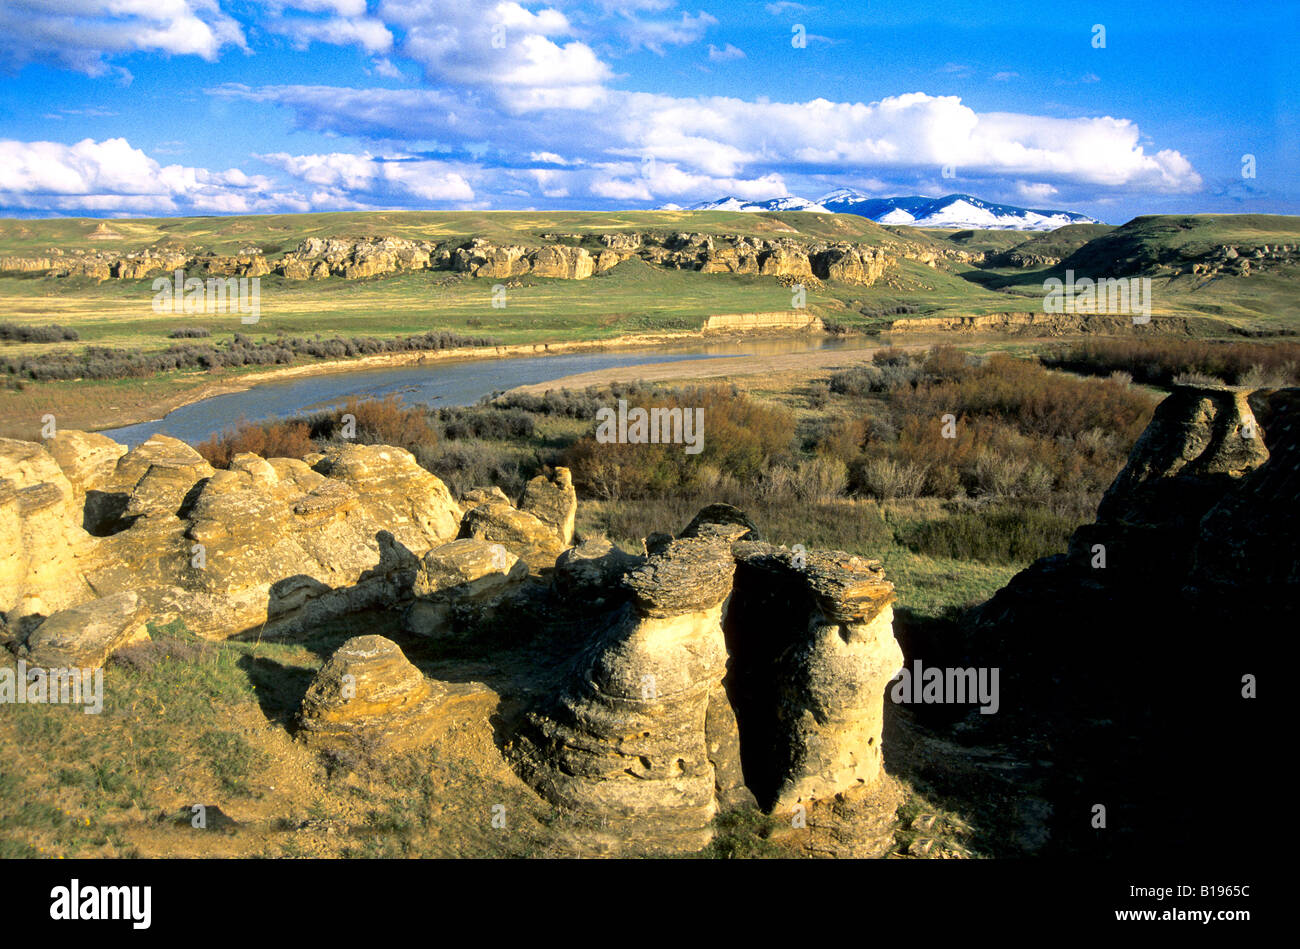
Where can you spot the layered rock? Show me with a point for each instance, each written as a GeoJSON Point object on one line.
{"type": "Point", "coordinates": [83, 637]}
{"type": "Point", "coordinates": [43, 547]}
{"type": "Point", "coordinates": [560, 256]}
{"type": "Point", "coordinates": [271, 545]}
{"type": "Point", "coordinates": [538, 530]}
{"type": "Point", "coordinates": [624, 747]}
{"type": "Point", "coordinates": [466, 578]}
{"type": "Point", "coordinates": [553, 501]}
{"type": "Point", "coordinates": [369, 699]}
{"type": "Point", "coordinates": [812, 646]}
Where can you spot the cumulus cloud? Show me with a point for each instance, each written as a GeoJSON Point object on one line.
{"type": "Point", "coordinates": [111, 175]}
{"type": "Point", "coordinates": [726, 138]}
{"type": "Point", "coordinates": [529, 58]}
{"type": "Point", "coordinates": [344, 176]}
{"type": "Point", "coordinates": [83, 34]}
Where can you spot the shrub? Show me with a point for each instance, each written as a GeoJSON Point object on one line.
{"type": "Point", "coordinates": [999, 535]}
{"type": "Point", "coordinates": [386, 421]}
{"type": "Point", "coordinates": [742, 437]}
{"type": "Point", "coordinates": [276, 439]}
{"type": "Point", "coordinates": [189, 332]}
{"type": "Point", "coordinates": [820, 479]}
{"type": "Point", "coordinates": [481, 422]}
{"type": "Point", "coordinates": [465, 465]}
{"type": "Point", "coordinates": [886, 479]}
{"type": "Point", "coordinates": [52, 333]}
{"type": "Point", "coordinates": [1159, 361]}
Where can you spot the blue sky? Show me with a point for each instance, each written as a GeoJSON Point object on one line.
{"type": "Point", "coordinates": [133, 107]}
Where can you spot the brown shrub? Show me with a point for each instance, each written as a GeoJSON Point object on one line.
{"type": "Point", "coordinates": [291, 439]}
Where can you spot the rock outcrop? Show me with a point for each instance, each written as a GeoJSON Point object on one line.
{"type": "Point", "coordinates": [268, 544]}
{"type": "Point", "coordinates": [812, 647]}
{"type": "Point", "coordinates": [1132, 649]}
{"type": "Point", "coordinates": [559, 256]}
{"type": "Point", "coordinates": [538, 531]}
{"type": "Point", "coordinates": [733, 670]}
{"type": "Point", "coordinates": [458, 584]}
{"type": "Point", "coordinates": [638, 694]}
{"type": "Point", "coordinates": [83, 637]}
{"type": "Point", "coordinates": [624, 744]}
{"type": "Point", "coordinates": [368, 699]}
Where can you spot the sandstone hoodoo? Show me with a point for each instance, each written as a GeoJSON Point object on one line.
{"type": "Point", "coordinates": [734, 671]}
{"type": "Point", "coordinates": [625, 741]}
{"type": "Point", "coordinates": [812, 646]}
{"type": "Point", "coordinates": [1195, 547]}
{"type": "Point", "coordinates": [713, 671]}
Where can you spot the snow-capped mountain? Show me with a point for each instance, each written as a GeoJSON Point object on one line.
{"type": "Point", "coordinates": [787, 203]}
{"type": "Point", "coordinates": [953, 210]}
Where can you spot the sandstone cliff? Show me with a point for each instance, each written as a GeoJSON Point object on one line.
{"type": "Point", "coordinates": [560, 256]}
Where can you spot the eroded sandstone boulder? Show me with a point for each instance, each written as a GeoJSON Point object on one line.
{"type": "Point", "coordinates": [83, 637]}
{"type": "Point", "coordinates": [812, 646]}
{"type": "Point", "coordinates": [369, 699]}
{"type": "Point", "coordinates": [553, 501]}
{"type": "Point", "coordinates": [465, 576]}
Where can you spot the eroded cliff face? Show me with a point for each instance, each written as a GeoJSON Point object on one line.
{"type": "Point", "coordinates": [1134, 651]}
{"type": "Point", "coordinates": [560, 256]}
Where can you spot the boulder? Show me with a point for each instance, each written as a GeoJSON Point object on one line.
{"type": "Point", "coordinates": [468, 576]}
{"type": "Point", "coordinates": [89, 460]}
{"type": "Point", "coordinates": [368, 699]}
{"type": "Point", "coordinates": [553, 501]}
{"type": "Point", "coordinates": [83, 637]}
{"type": "Point", "coordinates": [532, 539]}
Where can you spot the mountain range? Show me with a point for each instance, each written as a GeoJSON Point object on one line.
{"type": "Point", "coordinates": [953, 210]}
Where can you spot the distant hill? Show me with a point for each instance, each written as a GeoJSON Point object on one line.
{"type": "Point", "coordinates": [950, 211]}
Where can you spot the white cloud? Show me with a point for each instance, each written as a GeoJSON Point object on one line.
{"type": "Point", "coordinates": [111, 176]}
{"type": "Point", "coordinates": [1039, 191]}
{"type": "Point", "coordinates": [727, 52]}
{"type": "Point", "coordinates": [82, 34]}
{"type": "Point", "coordinates": [726, 138]}
{"type": "Point", "coordinates": [501, 47]}
{"type": "Point", "coordinates": [1004, 76]}
{"type": "Point", "coordinates": [342, 176]}
{"type": "Point", "coordinates": [655, 35]}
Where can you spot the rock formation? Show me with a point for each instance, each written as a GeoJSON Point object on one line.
{"type": "Point", "coordinates": [1133, 648]}
{"type": "Point", "coordinates": [369, 699]}
{"type": "Point", "coordinates": [268, 542]}
{"type": "Point", "coordinates": [652, 691]}
{"type": "Point", "coordinates": [812, 647]}
{"type": "Point", "coordinates": [656, 729]}
{"type": "Point", "coordinates": [560, 256]}
{"type": "Point", "coordinates": [83, 637]}
{"type": "Point", "coordinates": [624, 744]}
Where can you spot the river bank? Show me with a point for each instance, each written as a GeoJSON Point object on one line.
{"type": "Point", "coordinates": [116, 404]}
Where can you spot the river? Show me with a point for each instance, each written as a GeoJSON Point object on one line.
{"type": "Point", "coordinates": [461, 382]}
